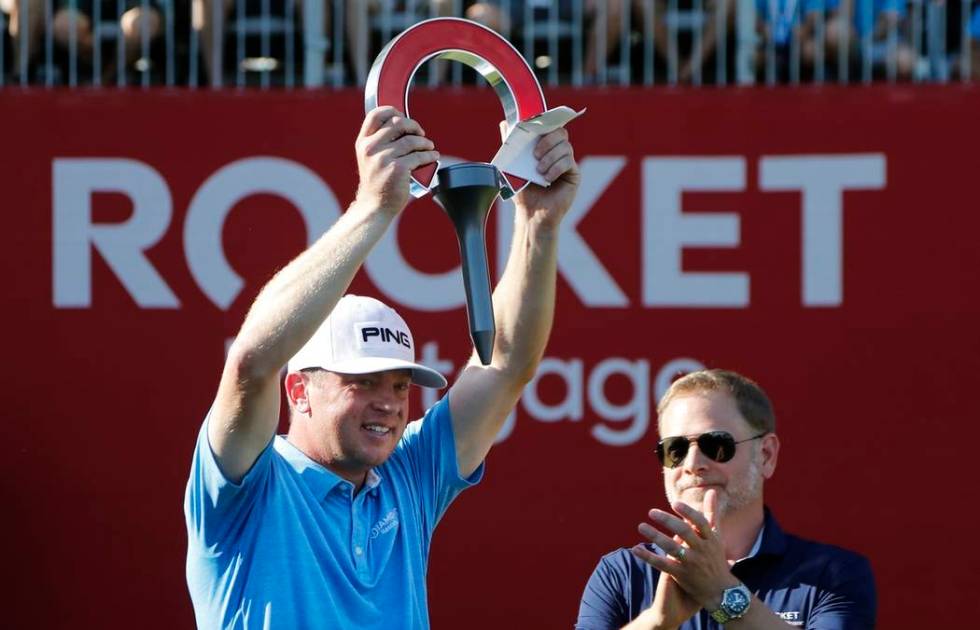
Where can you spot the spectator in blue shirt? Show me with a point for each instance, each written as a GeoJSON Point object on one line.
{"type": "Point", "coordinates": [780, 21]}
{"type": "Point", "coordinates": [721, 556]}
{"type": "Point", "coordinates": [876, 28]}
{"type": "Point", "coordinates": [330, 525]}
{"type": "Point", "coordinates": [882, 31]}
{"type": "Point", "coordinates": [974, 43]}
{"type": "Point", "coordinates": [779, 17]}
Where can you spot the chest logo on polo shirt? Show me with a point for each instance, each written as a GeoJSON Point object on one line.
{"type": "Point", "coordinates": [386, 524]}
{"type": "Point", "coordinates": [793, 617]}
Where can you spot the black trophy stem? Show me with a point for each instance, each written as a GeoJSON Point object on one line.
{"type": "Point", "coordinates": [466, 192]}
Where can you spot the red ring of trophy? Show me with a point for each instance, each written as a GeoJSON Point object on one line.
{"type": "Point", "coordinates": [455, 39]}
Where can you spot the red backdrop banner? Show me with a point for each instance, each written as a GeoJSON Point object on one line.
{"type": "Point", "coordinates": [822, 241]}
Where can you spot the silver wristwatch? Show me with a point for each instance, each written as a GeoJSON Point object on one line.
{"type": "Point", "coordinates": [734, 604]}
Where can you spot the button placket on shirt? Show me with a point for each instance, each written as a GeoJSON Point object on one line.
{"type": "Point", "coordinates": [359, 532]}
{"type": "Point", "coordinates": [357, 550]}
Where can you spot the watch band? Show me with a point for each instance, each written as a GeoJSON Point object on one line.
{"type": "Point", "coordinates": [720, 616]}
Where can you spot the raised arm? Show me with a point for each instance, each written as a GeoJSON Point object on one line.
{"type": "Point", "coordinates": [523, 306]}
{"type": "Point", "coordinates": [295, 302]}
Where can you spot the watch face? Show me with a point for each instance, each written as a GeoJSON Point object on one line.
{"type": "Point", "coordinates": [736, 601]}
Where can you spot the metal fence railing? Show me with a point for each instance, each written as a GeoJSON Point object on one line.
{"type": "Point", "coordinates": [331, 43]}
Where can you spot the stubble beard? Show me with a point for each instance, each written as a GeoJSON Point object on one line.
{"type": "Point", "coordinates": [739, 492]}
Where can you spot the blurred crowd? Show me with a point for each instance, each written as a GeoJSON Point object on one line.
{"type": "Point", "coordinates": [582, 42]}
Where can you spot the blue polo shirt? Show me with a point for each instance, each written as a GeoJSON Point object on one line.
{"type": "Point", "coordinates": [291, 545]}
{"type": "Point", "coordinates": [808, 584]}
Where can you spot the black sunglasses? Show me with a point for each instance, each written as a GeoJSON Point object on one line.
{"type": "Point", "coordinates": [718, 446]}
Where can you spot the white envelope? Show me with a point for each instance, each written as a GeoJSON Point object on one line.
{"type": "Point", "coordinates": [516, 155]}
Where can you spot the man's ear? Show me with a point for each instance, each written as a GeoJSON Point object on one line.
{"type": "Point", "coordinates": [296, 392]}
{"type": "Point", "coordinates": [770, 453]}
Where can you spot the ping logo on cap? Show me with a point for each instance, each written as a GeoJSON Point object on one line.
{"type": "Point", "coordinates": [373, 335]}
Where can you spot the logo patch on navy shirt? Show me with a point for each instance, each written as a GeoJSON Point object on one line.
{"type": "Point", "coordinates": [793, 617]}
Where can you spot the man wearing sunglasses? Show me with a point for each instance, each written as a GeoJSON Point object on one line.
{"type": "Point", "coordinates": [721, 559]}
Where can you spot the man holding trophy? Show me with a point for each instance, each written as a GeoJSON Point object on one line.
{"type": "Point", "coordinates": [330, 525]}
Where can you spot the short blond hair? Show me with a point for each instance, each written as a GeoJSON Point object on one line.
{"type": "Point", "coordinates": [749, 398]}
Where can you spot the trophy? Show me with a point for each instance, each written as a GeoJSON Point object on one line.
{"type": "Point", "coordinates": [467, 190]}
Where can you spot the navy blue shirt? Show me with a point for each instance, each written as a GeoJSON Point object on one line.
{"type": "Point", "coordinates": [808, 584]}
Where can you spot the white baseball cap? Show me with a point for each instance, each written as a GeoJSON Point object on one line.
{"type": "Point", "coordinates": [363, 335]}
